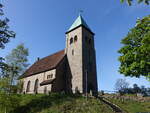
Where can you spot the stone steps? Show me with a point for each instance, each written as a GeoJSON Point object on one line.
{"type": "Point", "coordinates": [114, 107]}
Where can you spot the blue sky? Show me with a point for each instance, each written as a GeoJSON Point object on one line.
{"type": "Point", "coordinates": [41, 26]}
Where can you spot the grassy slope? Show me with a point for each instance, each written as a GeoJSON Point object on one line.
{"type": "Point", "coordinates": [56, 103]}
{"type": "Point", "coordinates": [131, 106]}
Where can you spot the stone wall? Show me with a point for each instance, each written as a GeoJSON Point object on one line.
{"type": "Point", "coordinates": [41, 77]}
{"type": "Point", "coordinates": [89, 62]}
{"type": "Point", "coordinates": [82, 59]}
{"type": "Point", "coordinates": [75, 59]}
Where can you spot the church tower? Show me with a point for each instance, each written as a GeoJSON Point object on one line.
{"type": "Point", "coordinates": [81, 57]}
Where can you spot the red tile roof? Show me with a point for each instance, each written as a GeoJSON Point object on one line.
{"type": "Point", "coordinates": [44, 64]}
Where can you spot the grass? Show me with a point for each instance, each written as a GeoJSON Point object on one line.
{"type": "Point", "coordinates": [59, 103]}
{"type": "Point", "coordinates": [131, 106]}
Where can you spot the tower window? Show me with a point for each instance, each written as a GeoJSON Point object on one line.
{"type": "Point", "coordinates": [71, 40]}
{"type": "Point", "coordinates": [75, 38]}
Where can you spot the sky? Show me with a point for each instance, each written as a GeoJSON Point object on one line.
{"type": "Point", "coordinates": [41, 26]}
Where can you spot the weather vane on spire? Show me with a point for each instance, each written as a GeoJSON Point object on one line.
{"type": "Point", "coordinates": [80, 12]}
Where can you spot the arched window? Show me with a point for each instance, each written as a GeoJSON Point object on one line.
{"type": "Point", "coordinates": [36, 85]}
{"type": "Point", "coordinates": [75, 38]}
{"type": "Point", "coordinates": [71, 40]}
{"type": "Point", "coordinates": [28, 86]}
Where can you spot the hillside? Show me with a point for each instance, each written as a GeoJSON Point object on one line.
{"type": "Point", "coordinates": [130, 103]}
{"type": "Point", "coordinates": [56, 103]}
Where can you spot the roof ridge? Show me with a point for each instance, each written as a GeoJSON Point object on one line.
{"type": "Point", "coordinates": [52, 54]}
{"type": "Point", "coordinates": [45, 64]}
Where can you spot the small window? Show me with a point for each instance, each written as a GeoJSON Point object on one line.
{"type": "Point", "coordinates": [75, 38]}
{"type": "Point", "coordinates": [71, 40]}
{"type": "Point", "coordinates": [49, 76]}
{"type": "Point", "coordinates": [72, 52]}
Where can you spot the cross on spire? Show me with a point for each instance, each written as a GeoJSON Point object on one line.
{"type": "Point", "coordinates": [80, 12]}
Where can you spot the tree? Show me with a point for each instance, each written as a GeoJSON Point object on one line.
{"type": "Point", "coordinates": [5, 33]}
{"type": "Point", "coordinates": [136, 89]}
{"type": "Point", "coordinates": [121, 85]}
{"type": "Point", "coordinates": [17, 62]}
{"type": "Point", "coordinates": [129, 2]}
{"type": "Point", "coordinates": [135, 53]}
{"type": "Point", "coordinates": [5, 36]}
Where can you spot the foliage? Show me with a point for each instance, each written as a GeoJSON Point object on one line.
{"type": "Point", "coordinates": [134, 90]}
{"type": "Point", "coordinates": [8, 102]}
{"type": "Point", "coordinates": [5, 33]}
{"type": "Point", "coordinates": [135, 53]}
{"type": "Point", "coordinates": [17, 61]}
{"type": "Point", "coordinates": [121, 85]}
{"type": "Point", "coordinates": [5, 36]}
{"type": "Point", "coordinates": [129, 2]}
{"type": "Point", "coordinates": [15, 64]}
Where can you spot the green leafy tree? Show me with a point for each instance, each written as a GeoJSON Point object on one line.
{"type": "Point", "coordinates": [17, 61]}
{"type": "Point", "coordinates": [135, 53]}
{"type": "Point", "coordinates": [129, 2]}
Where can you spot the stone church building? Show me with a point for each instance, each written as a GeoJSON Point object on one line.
{"type": "Point", "coordinates": [70, 70]}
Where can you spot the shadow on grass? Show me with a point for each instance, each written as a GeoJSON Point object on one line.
{"type": "Point", "coordinates": [39, 103]}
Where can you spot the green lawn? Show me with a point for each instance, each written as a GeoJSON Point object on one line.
{"type": "Point", "coordinates": [56, 103]}
{"type": "Point", "coordinates": [131, 106]}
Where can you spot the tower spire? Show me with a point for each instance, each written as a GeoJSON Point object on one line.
{"type": "Point", "coordinates": [79, 22]}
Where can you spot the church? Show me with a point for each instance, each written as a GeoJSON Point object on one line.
{"type": "Point", "coordinates": [72, 70]}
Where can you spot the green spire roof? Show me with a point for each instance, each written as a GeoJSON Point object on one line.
{"type": "Point", "coordinates": [79, 21]}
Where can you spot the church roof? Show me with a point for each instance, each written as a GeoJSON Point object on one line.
{"type": "Point", "coordinates": [79, 22]}
{"type": "Point", "coordinates": [45, 64]}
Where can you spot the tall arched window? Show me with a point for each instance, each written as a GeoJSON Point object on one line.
{"type": "Point", "coordinates": [28, 86]}
{"type": "Point", "coordinates": [36, 85]}
{"type": "Point", "coordinates": [75, 38]}
{"type": "Point", "coordinates": [71, 40]}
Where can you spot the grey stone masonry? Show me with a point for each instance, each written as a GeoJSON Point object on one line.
{"type": "Point", "coordinates": [82, 61]}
